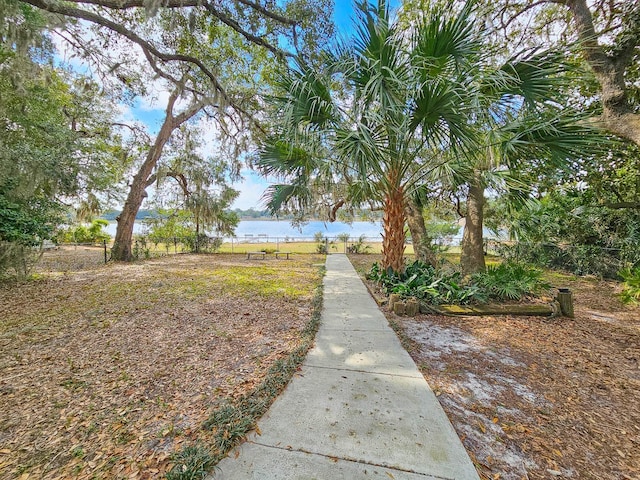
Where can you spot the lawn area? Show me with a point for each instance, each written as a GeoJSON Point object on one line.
{"type": "Point", "coordinates": [105, 372]}
{"type": "Point", "coordinates": [534, 397]}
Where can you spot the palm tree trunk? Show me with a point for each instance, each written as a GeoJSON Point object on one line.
{"type": "Point", "coordinates": [420, 238]}
{"type": "Point", "coordinates": [393, 238]}
{"type": "Point", "coordinates": [472, 255]}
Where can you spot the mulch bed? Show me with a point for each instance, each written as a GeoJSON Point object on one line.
{"type": "Point", "coordinates": [534, 397]}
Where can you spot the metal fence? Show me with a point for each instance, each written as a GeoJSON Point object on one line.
{"type": "Point", "coordinates": [75, 257]}
{"type": "Point", "coordinates": [579, 259]}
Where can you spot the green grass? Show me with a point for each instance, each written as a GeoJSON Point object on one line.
{"type": "Point", "coordinates": [297, 247]}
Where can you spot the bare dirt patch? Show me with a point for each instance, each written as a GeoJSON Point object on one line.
{"type": "Point", "coordinates": [105, 372]}
{"type": "Point", "coordinates": [538, 398]}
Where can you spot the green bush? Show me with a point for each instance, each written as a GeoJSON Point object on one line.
{"type": "Point", "coordinates": [81, 234]}
{"type": "Point", "coordinates": [202, 243]}
{"type": "Point", "coordinates": [507, 281]}
{"type": "Point", "coordinates": [427, 283]}
{"type": "Point", "coordinates": [510, 281]}
{"type": "Point", "coordinates": [359, 247]}
{"type": "Point", "coordinates": [631, 286]}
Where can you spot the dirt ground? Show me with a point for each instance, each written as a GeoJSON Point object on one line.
{"type": "Point", "coordinates": [538, 398]}
{"type": "Point", "coordinates": [105, 371]}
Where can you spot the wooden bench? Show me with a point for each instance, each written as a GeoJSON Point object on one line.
{"type": "Point", "coordinates": [255, 254]}
{"type": "Point", "coordinates": [283, 253]}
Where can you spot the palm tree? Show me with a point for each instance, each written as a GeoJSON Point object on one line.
{"type": "Point", "coordinates": [550, 136]}
{"type": "Point", "coordinates": [361, 122]}
{"type": "Point", "coordinates": [384, 114]}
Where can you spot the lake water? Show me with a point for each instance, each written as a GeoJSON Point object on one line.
{"type": "Point", "coordinates": [282, 229]}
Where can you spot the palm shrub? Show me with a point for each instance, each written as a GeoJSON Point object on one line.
{"type": "Point", "coordinates": [631, 286]}
{"type": "Point", "coordinates": [507, 281]}
{"type": "Point", "coordinates": [425, 282]}
{"type": "Point", "coordinates": [510, 281]}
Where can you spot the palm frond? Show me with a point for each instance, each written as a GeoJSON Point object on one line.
{"type": "Point", "coordinates": [282, 159]}
{"type": "Point", "coordinates": [281, 197]}
{"type": "Point", "coordinates": [441, 40]}
{"type": "Point", "coordinates": [534, 77]}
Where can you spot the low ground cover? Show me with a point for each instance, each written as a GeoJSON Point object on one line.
{"type": "Point", "coordinates": [107, 372]}
{"type": "Point", "coordinates": [446, 285]}
{"type": "Point", "coordinates": [536, 397]}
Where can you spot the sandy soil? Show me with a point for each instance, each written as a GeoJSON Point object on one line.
{"type": "Point", "coordinates": [538, 398]}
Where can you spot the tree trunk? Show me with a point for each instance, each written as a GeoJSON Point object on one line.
{"type": "Point", "coordinates": [618, 116]}
{"type": "Point", "coordinates": [421, 241]}
{"type": "Point", "coordinates": [393, 226]}
{"type": "Point", "coordinates": [138, 191]}
{"type": "Point", "coordinates": [121, 249]}
{"type": "Point", "coordinates": [472, 255]}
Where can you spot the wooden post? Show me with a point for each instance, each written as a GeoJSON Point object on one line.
{"type": "Point", "coordinates": [399, 308]}
{"type": "Point", "coordinates": [393, 299]}
{"type": "Point", "coordinates": [412, 307]}
{"type": "Point", "coordinates": [104, 243]}
{"type": "Point", "coordinates": [566, 302]}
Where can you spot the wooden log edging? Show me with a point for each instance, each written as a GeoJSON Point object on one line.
{"type": "Point", "coordinates": [545, 310]}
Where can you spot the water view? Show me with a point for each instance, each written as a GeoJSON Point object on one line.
{"type": "Point", "coordinates": [283, 229]}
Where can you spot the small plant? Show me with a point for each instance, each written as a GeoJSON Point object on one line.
{"type": "Point", "coordinates": [140, 249]}
{"type": "Point", "coordinates": [343, 237]}
{"type": "Point", "coordinates": [510, 281]}
{"type": "Point", "coordinates": [359, 247]}
{"type": "Point", "coordinates": [191, 463]}
{"type": "Point", "coordinates": [322, 246]}
{"type": "Point", "coordinates": [631, 286]}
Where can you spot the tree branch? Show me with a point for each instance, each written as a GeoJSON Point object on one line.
{"type": "Point", "coordinates": [170, 4]}
{"type": "Point", "coordinates": [147, 47]}
{"type": "Point", "coordinates": [621, 205]}
{"type": "Point", "coordinates": [593, 52]}
{"type": "Point", "coordinates": [334, 210]}
{"type": "Point", "coordinates": [268, 13]}
{"type": "Point", "coordinates": [249, 36]}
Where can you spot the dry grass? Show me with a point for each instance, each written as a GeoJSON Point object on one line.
{"type": "Point", "coordinates": [106, 372]}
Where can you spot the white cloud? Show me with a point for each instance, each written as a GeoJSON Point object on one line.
{"type": "Point", "coordinates": [251, 189]}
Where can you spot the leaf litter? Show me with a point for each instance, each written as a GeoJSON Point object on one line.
{"type": "Point", "coordinates": [105, 372]}
{"type": "Point", "coordinates": [534, 397]}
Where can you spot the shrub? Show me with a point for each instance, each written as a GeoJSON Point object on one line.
{"type": "Point", "coordinates": [507, 281]}
{"type": "Point", "coordinates": [510, 281]}
{"type": "Point", "coordinates": [631, 286]}
{"type": "Point", "coordinates": [80, 234]}
{"type": "Point", "coordinates": [359, 247]}
{"type": "Point", "coordinates": [201, 243]}
{"type": "Point", "coordinates": [425, 282]}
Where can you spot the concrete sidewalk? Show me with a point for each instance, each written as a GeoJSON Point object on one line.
{"type": "Point", "coordinates": [359, 408]}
